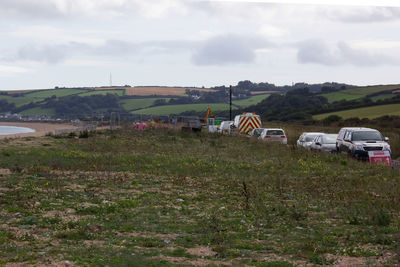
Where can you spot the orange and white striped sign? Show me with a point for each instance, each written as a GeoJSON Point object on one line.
{"type": "Point", "coordinates": [248, 123]}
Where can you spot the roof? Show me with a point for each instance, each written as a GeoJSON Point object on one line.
{"type": "Point", "coordinates": [358, 128]}
{"type": "Point", "coordinates": [312, 133]}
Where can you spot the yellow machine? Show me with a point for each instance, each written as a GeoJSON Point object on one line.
{"type": "Point", "coordinates": [209, 115]}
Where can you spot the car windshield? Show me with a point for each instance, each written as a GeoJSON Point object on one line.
{"type": "Point", "coordinates": [275, 132]}
{"type": "Point", "coordinates": [367, 136]}
{"type": "Point", "coordinates": [329, 139]}
{"type": "Point", "coordinates": [310, 137]}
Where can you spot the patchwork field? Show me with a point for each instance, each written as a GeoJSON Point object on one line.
{"type": "Point", "coordinates": [367, 112]}
{"type": "Point", "coordinates": [38, 96]}
{"type": "Point", "coordinates": [158, 198]}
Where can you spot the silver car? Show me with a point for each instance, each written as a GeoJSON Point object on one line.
{"type": "Point", "coordinates": [305, 140]}
{"type": "Point", "coordinates": [325, 143]}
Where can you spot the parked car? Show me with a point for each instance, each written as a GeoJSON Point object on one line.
{"type": "Point", "coordinates": [273, 135]}
{"type": "Point", "coordinates": [255, 133]}
{"type": "Point", "coordinates": [324, 142]}
{"type": "Point", "coordinates": [358, 141]}
{"type": "Point", "coordinates": [306, 138]}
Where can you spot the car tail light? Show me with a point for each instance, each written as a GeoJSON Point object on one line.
{"type": "Point", "coordinates": [267, 136]}
{"type": "Point", "coordinates": [283, 136]}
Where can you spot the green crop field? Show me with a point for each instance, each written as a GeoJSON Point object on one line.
{"type": "Point", "coordinates": [355, 93]}
{"type": "Point", "coordinates": [251, 101]}
{"type": "Point", "coordinates": [103, 92]}
{"type": "Point", "coordinates": [138, 103]}
{"type": "Point", "coordinates": [177, 109]}
{"type": "Point", "coordinates": [160, 198]}
{"type": "Point", "coordinates": [40, 95]}
{"type": "Point", "coordinates": [372, 89]}
{"type": "Point", "coordinates": [367, 112]}
{"type": "Point", "coordinates": [382, 97]}
{"type": "Point", "coordinates": [341, 95]}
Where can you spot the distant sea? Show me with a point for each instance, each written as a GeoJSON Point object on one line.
{"type": "Point", "coordinates": [5, 130]}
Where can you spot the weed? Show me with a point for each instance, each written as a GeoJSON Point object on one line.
{"type": "Point", "coordinates": [380, 217]}
{"type": "Point", "coordinates": [274, 264]}
{"type": "Point", "coordinates": [246, 195]}
{"type": "Point", "coordinates": [84, 134]}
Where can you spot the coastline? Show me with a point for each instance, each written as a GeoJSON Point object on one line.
{"type": "Point", "coordinates": [41, 128]}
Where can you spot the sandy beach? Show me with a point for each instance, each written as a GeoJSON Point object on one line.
{"type": "Point", "coordinates": [40, 128]}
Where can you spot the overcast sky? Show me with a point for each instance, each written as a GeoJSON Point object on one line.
{"type": "Point", "coordinates": [48, 43]}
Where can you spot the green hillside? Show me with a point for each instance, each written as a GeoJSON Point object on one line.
{"type": "Point", "coordinates": [250, 101]}
{"type": "Point", "coordinates": [177, 109]}
{"type": "Point", "coordinates": [359, 92]}
{"type": "Point", "coordinates": [18, 101]}
{"type": "Point", "coordinates": [367, 112]}
{"type": "Point", "coordinates": [40, 95]}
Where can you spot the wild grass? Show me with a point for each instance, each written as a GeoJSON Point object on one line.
{"type": "Point", "coordinates": [156, 198]}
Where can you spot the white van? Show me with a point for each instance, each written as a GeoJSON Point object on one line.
{"type": "Point", "coordinates": [225, 127]}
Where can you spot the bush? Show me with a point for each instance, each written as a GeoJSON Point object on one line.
{"type": "Point", "coordinates": [84, 134]}
{"type": "Point", "coordinates": [380, 217]}
{"type": "Point", "coordinates": [331, 119]}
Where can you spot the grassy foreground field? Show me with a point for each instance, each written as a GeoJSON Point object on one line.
{"type": "Point", "coordinates": [158, 198]}
{"type": "Point", "coordinates": [367, 112]}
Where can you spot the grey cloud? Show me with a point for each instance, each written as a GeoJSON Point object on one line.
{"type": "Point", "coordinates": [29, 9]}
{"type": "Point", "coordinates": [363, 14]}
{"type": "Point", "coordinates": [48, 54]}
{"type": "Point", "coordinates": [319, 52]}
{"type": "Point", "coordinates": [53, 9]}
{"type": "Point", "coordinates": [53, 54]}
{"type": "Point", "coordinates": [229, 49]}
